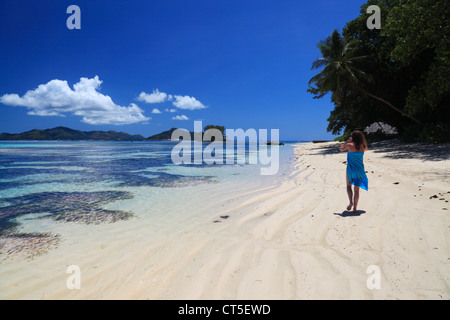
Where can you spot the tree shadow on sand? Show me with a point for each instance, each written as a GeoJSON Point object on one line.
{"type": "Point", "coordinates": [347, 213]}
{"type": "Point", "coordinates": [396, 149]}
{"type": "Point", "coordinates": [327, 149]}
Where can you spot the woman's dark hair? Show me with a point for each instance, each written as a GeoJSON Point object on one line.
{"type": "Point", "coordinates": [359, 139]}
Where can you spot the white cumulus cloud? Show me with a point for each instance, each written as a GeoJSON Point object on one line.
{"type": "Point", "coordinates": [188, 103]}
{"type": "Point", "coordinates": [181, 102]}
{"type": "Point", "coordinates": [182, 117]}
{"type": "Point", "coordinates": [156, 111]}
{"type": "Point", "coordinates": [56, 98]}
{"type": "Point", "coordinates": [155, 97]}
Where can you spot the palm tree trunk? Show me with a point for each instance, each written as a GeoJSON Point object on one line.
{"type": "Point", "coordinates": [390, 105]}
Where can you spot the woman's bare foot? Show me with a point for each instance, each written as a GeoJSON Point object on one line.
{"type": "Point", "coordinates": [349, 206]}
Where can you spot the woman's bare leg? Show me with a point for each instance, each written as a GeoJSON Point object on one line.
{"type": "Point", "coordinates": [355, 201]}
{"type": "Point", "coordinates": [349, 193]}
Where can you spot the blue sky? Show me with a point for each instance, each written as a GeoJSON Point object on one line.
{"type": "Point", "coordinates": [241, 64]}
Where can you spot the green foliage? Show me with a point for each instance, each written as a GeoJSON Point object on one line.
{"type": "Point", "coordinates": [340, 68]}
{"type": "Point", "coordinates": [436, 132]}
{"type": "Point", "coordinates": [430, 133]}
{"type": "Point", "coordinates": [398, 75]}
{"type": "Point", "coordinates": [344, 137]}
{"type": "Point", "coordinates": [422, 30]}
{"type": "Point", "coordinates": [210, 126]}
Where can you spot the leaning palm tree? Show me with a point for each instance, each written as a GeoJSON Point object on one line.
{"type": "Point", "coordinates": [341, 72]}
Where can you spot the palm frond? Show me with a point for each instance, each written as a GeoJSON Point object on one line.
{"type": "Point", "coordinates": [319, 63]}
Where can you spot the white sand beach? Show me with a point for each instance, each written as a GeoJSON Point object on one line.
{"type": "Point", "coordinates": [293, 241]}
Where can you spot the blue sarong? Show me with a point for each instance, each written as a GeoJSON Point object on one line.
{"type": "Point", "coordinates": [355, 170]}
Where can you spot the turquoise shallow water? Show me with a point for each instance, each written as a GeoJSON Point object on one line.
{"type": "Point", "coordinates": [100, 181]}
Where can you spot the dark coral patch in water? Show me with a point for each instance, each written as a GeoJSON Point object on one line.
{"type": "Point", "coordinates": [163, 180]}
{"type": "Point", "coordinates": [81, 207]}
{"type": "Point", "coordinates": [86, 207]}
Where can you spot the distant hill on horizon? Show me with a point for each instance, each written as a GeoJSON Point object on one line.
{"type": "Point", "coordinates": [167, 135]}
{"type": "Point", "coordinates": [63, 133]}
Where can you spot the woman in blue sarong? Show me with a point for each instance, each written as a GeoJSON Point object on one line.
{"type": "Point", "coordinates": [356, 175]}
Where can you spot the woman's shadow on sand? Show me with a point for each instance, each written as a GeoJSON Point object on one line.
{"type": "Point", "coordinates": [347, 213]}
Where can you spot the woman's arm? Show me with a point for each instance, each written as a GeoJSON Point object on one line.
{"type": "Point", "coordinates": [346, 145]}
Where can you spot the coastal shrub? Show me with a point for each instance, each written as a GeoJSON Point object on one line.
{"type": "Point", "coordinates": [430, 133]}
{"type": "Point", "coordinates": [434, 133]}
{"type": "Point", "coordinates": [344, 137]}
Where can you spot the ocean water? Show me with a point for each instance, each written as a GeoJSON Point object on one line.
{"type": "Point", "coordinates": [46, 185]}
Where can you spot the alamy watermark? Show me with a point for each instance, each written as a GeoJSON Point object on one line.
{"type": "Point", "coordinates": [374, 21]}
{"type": "Point", "coordinates": [228, 149]}
{"type": "Point", "coordinates": [74, 20]}
{"type": "Point", "coordinates": [74, 280]}
{"type": "Point", "coordinates": [374, 280]}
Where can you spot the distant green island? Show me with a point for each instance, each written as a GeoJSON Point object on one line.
{"type": "Point", "coordinates": [63, 133]}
